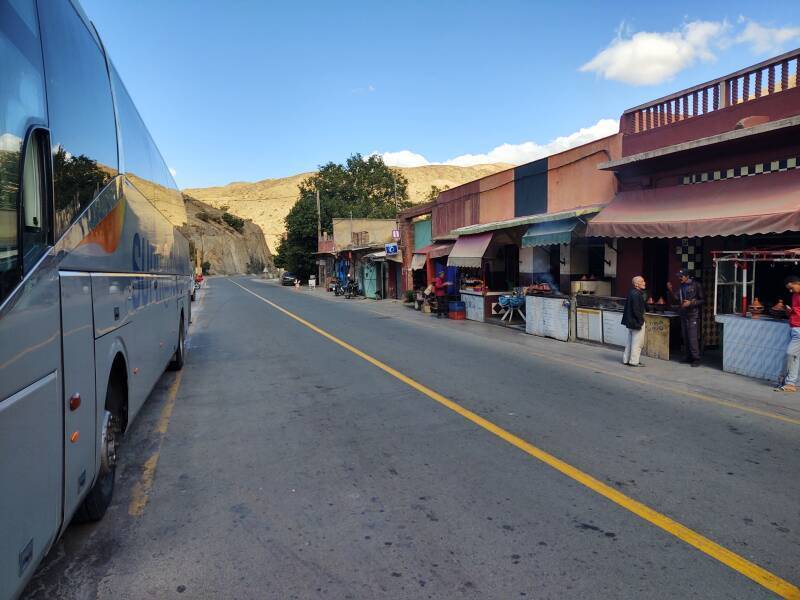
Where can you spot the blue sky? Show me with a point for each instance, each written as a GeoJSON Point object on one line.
{"type": "Point", "coordinates": [247, 90]}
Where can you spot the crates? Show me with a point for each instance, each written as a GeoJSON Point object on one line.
{"type": "Point", "coordinates": [456, 306]}
{"type": "Point", "coordinates": [457, 315]}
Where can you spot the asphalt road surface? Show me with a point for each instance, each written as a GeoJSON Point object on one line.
{"type": "Point", "coordinates": [347, 451]}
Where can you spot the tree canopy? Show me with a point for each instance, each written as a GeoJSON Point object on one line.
{"type": "Point", "coordinates": [364, 188]}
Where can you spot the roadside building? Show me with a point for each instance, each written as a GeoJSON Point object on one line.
{"type": "Point", "coordinates": [357, 249]}
{"type": "Point", "coordinates": [703, 173]}
{"type": "Point", "coordinates": [522, 231]}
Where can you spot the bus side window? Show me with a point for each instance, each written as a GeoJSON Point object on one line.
{"type": "Point", "coordinates": [35, 209]}
{"type": "Point", "coordinates": [22, 103]}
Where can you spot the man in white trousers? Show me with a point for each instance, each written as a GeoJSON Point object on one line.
{"type": "Point", "coordinates": [633, 319]}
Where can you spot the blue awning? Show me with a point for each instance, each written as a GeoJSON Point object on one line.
{"type": "Point", "coordinates": [551, 232]}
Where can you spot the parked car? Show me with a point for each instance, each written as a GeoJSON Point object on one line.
{"type": "Point", "coordinates": [288, 279]}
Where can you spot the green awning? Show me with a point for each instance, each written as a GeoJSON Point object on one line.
{"type": "Point", "coordinates": [550, 232]}
{"type": "Point", "coordinates": [585, 212]}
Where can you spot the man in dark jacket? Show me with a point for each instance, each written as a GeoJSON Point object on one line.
{"type": "Point", "coordinates": [633, 319]}
{"type": "Point", "coordinates": [689, 300]}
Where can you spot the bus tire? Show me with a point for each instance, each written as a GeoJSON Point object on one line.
{"type": "Point", "coordinates": [176, 364]}
{"type": "Point", "coordinates": [98, 499]}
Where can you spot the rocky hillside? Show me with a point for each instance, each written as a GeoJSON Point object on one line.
{"type": "Point", "coordinates": [220, 242]}
{"type": "Point", "coordinates": [268, 201]}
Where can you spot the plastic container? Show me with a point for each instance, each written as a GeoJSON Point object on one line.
{"type": "Point", "coordinates": [456, 306]}
{"type": "Point", "coordinates": [457, 315]}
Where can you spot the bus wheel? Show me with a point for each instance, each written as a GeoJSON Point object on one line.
{"type": "Point", "coordinates": [176, 364]}
{"type": "Point", "coordinates": [99, 497]}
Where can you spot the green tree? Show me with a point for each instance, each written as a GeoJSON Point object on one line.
{"type": "Point", "coordinates": [362, 187]}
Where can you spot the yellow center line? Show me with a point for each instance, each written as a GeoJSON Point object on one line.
{"type": "Point", "coordinates": [736, 562]}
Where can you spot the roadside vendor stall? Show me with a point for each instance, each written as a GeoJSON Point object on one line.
{"type": "Point", "coordinates": [599, 319]}
{"type": "Point", "coordinates": [483, 262]}
{"type": "Point", "coordinates": [749, 303]}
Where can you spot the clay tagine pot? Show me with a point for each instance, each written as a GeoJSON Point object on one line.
{"type": "Point", "coordinates": [756, 307]}
{"type": "Point", "coordinates": [778, 310]}
{"type": "Point", "coordinates": [661, 305]}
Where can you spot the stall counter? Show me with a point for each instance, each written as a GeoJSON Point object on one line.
{"type": "Point", "coordinates": [754, 347]}
{"type": "Point", "coordinates": [547, 316]}
{"type": "Point", "coordinates": [478, 304]}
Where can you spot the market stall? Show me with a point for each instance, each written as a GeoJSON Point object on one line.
{"type": "Point", "coordinates": [755, 332]}
{"type": "Point", "coordinates": [599, 319]}
{"type": "Point", "coordinates": [483, 261]}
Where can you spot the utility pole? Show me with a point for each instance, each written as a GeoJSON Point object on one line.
{"type": "Point", "coordinates": [319, 218]}
{"type": "Point", "coordinates": [319, 237]}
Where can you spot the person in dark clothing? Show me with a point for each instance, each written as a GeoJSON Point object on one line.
{"type": "Point", "coordinates": [440, 289]}
{"type": "Point", "coordinates": [633, 319]}
{"type": "Point", "coordinates": [689, 300]}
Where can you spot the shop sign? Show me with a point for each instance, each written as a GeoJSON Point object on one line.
{"type": "Point", "coordinates": [395, 234]}
{"type": "Point", "coordinates": [391, 249]}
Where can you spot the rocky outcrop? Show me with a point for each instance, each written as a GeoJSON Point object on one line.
{"type": "Point", "coordinates": [231, 245]}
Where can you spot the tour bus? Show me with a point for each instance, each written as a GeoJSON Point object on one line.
{"type": "Point", "coordinates": [95, 280]}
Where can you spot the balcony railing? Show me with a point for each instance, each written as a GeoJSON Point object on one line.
{"type": "Point", "coordinates": [769, 77]}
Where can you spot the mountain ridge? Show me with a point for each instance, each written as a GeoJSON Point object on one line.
{"type": "Point", "coordinates": [268, 201]}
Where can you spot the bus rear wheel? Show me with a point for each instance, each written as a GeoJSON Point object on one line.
{"type": "Point", "coordinates": [98, 499]}
{"type": "Point", "coordinates": [176, 364]}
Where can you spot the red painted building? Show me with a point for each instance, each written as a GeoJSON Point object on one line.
{"type": "Point", "coordinates": [713, 167]}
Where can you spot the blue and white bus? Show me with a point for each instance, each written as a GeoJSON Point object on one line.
{"type": "Point", "coordinates": [95, 280]}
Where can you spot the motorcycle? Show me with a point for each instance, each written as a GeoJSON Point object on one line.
{"type": "Point", "coordinates": [350, 289]}
{"type": "Point", "coordinates": [338, 290]}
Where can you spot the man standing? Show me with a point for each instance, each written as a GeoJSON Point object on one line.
{"type": "Point", "coordinates": [633, 319]}
{"type": "Point", "coordinates": [689, 299]}
{"type": "Point", "coordinates": [440, 289]}
{"type": "Point", "coordinates": [793, 349]}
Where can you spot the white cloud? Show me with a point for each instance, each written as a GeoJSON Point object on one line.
{"type": "Point", "coordinates": [173, 172]}
{"type": "Point", "coordinates": [516, 154]}
{"type": "Point", "coordinates": [404, 158]}
{"type": "Point", "coordinates": [649, 58]}
{"type": "Point", "coordinates": [766, 40]}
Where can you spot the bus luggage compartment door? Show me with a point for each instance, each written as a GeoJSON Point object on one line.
{"type": "Point", "coordinates": [80, 410]}
{"type": "Point", "coordinates": [30, 472]}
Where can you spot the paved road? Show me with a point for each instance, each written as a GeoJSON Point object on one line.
{"type": "Point", "coordinates": [283, 465]}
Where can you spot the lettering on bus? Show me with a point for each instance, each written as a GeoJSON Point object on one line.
{"type": "Point", "coordinates": [146, 259]}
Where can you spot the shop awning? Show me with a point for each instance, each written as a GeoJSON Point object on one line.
{"type": "Point", "coordinates": [550, 232]}
{"type": "Point", "coordinates": [768, 203]}
{"type": "Point", "coordinates": [584, 212]}
{"type": "Point", "coordinates": [382, 256]}
{"type": "Point", "coordinates": [418, 262]}
{"type": "Point", "coordinates": [435, 250]}
{"type": "Point", "coordinates": [468, 250]}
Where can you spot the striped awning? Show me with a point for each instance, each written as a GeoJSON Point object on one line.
{"type": "Point", "coordinates": [550, 232]}
{"type": "Point", "coordinates": [469, 250]}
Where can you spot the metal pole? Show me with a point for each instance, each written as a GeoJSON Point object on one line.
{"type": "Point", "coordinates": [716, 283]}
{"type": "Point", "coordinates": [319, 237]}
{"type": "Point", "coordinates": [319, 218]}
{"type": "Point", "coordinates": [744, 288]}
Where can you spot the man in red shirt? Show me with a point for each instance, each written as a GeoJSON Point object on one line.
{"type": "Point", "coordinates": [793, 349]}
{"type": "Point", "coordinates": [440, 289]}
